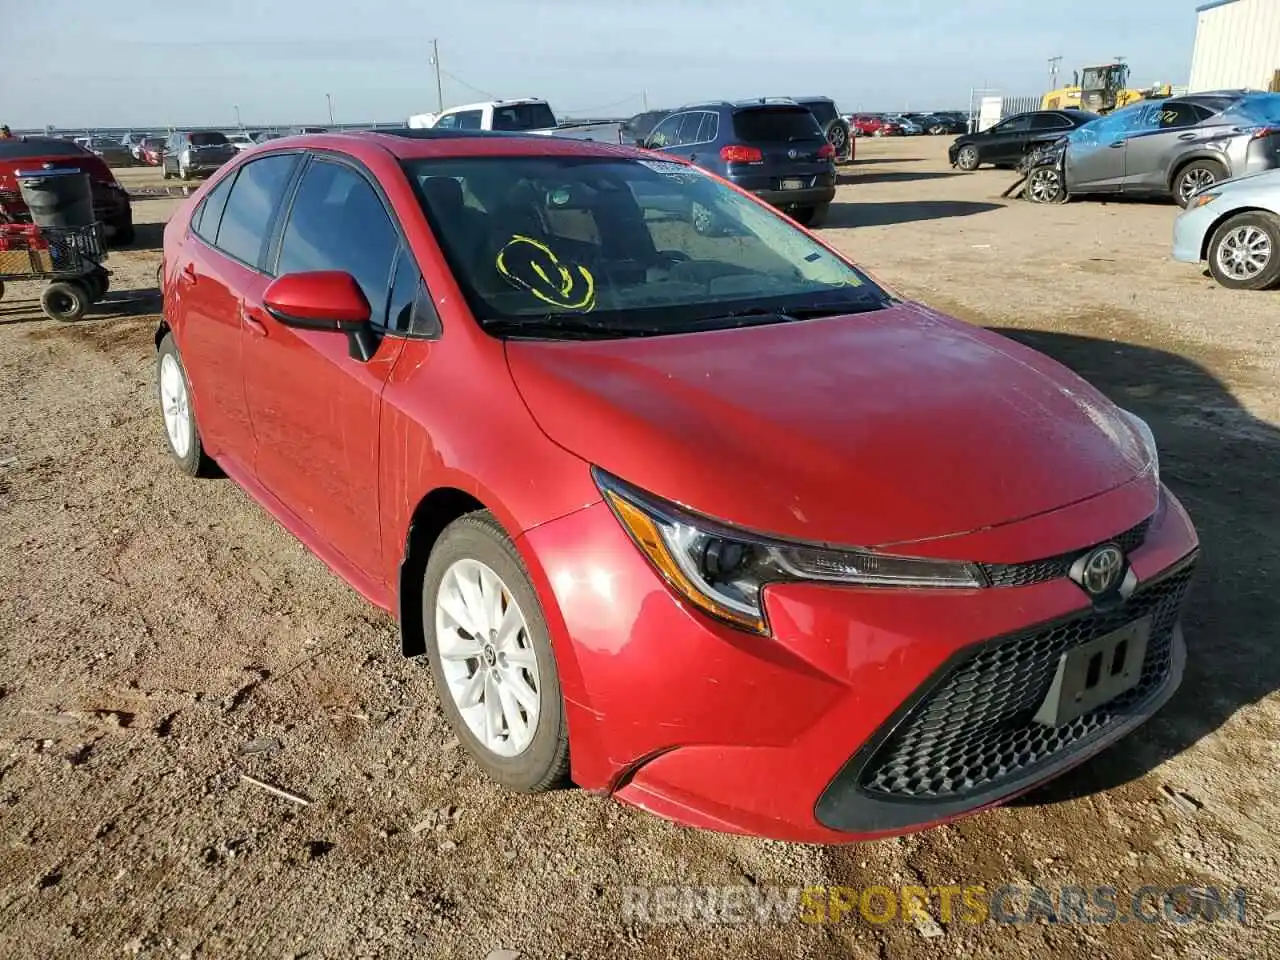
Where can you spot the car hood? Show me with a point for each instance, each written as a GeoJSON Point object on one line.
{"type": "Point", "coordinates": [870, 429]}
{"type": "Point", "coordinates": [1267, 181]}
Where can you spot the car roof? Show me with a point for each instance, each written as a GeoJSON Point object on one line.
{"type": "Point", "coordinates": [493, 103]}
{"type": "Point", "coordinates": [420, 144]}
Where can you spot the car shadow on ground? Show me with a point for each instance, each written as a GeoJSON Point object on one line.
{"type": "Point", "coordinates": [892, 176]}
{"type": "Point", "coordinates": [860, 162]}
{"type": "Point", "coordinates": [1221, 462]}
{"type": "Point", "coordinates": [146, 236]}
{"type": "Point", "coordinates": [907, 211]}
{"type": "Point", "coordinates": [117, 303]}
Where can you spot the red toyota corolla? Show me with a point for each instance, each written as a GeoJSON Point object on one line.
{"type": "Point", "coordinates": [674, 499]}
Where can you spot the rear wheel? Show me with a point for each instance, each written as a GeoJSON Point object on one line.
{"type": "Point", "coordinates": [1244, 253]}
{"type": "Point", "coordinates": [65, 301]}
{"type": "Point", "coordinates": [812, 216]}
{"type": "Point", "coordinates": [99, 282]}
{"type": "Point", "coordinates": [1195, 177]}
{"type": "Point", "coordinates": [967, 158]}
{"type": "Point", "coordinates": [180, 428]}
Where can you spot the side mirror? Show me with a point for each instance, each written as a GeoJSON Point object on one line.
{"type": "Point", "coordinates": [324, 300]}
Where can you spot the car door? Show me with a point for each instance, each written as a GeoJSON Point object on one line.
{"type": "Point", "coordinates": [1163, 132]}
{"type": "Point", "coordinates": [666, 135]}
{"type": "Point", "coordinates": [1006, 141]}
{"type": "Point", "coordinates": [1095, 155]}
{"type": "Point", "coordinates": [202, 301]}
{"type": "Point", "coordinates": [315, 410]}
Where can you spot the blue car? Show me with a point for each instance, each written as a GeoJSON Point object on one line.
{"type": "Point", "coordinates": [772, 148]}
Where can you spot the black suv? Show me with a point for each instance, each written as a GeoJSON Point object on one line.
{"type": "Point", "coordinates": [834, 126]}
{"type": "Point", "coordinates": [774, 149]}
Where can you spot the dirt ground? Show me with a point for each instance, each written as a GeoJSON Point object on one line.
{"type": "Point", "coordinates": [159, 637]}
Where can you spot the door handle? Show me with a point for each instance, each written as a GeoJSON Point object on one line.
{"type": "Point", "coordinates": [256, 326]}
{"type": "Point", "coordinates": [1186, 136]}
{"type": "Point", "coordinates": [1118, 144]}
{"type": "Point", "coordinates": [189, 271]}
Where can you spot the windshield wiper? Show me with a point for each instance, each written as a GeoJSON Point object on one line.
{"type": "Point", "coordinates": [754, 315]}
{"type": "Point", "coordinates": [553, 326]}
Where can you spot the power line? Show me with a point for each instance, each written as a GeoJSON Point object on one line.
{"type": "Point", "coordinates": [461, 82]}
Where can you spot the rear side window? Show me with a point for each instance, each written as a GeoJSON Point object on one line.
{"type": "Point", "coordinates": [523, 116]}
{"type": "Point", "coordinates": [251, 208]}
{"type": "Point", "coordinates": [338, 222]}
{"type": "Point", "coordinates": [1049, 121]}
{"type": "Point", "coordinates": [775, 125]}
{"type": "Point", "coordinates": [470, 119]}
{"type": "Point", "coordinates": [206, 220]}
{"type": "Point", "coordinates": [208, 139]}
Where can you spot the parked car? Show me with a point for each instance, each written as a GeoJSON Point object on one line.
{"type": "Point", "coordinates": [909, 127]}
{"type": "Point", "coordinates": [1173, 148]}
{"type": "Point", "coordinates": [504, 388]}
{"type": "Point", "coordinates": [775, 150]}
{"type": "Point", "coordinates": [1006, 143]}
{"type": "Point", "coordinates": [262, 136]}
{"type": "Point", "coordinates": [112, 151]}
{"type": "Point", "coordinates": [195, 153]}
{"type": "Point", "coordinates": [1235, 227]}
{"type": "Point", "coordinates": [31, 154]}
{"type": "Point", "coordinates": [834, 127]}
{"type": "Point", "coordinates": [241, 141]}
{"type": "Point", "coordinates": [634, 130]}
{"type": "Point", "coordinates": [305, 130]}
{"type": "Point", "coordinates": [938, 124]}
{"type": "Point", "coordinates": [874, 125]}
{"type": "Point", "coordinates": [133, 143]}
{"type": "Point", "coordinates": [151, 151]}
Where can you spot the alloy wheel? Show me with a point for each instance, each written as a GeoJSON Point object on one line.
{"type": "Point", "coordinates": [487, 657]}
{"type": "Point", "coordinates": [1244, 253]}
{"type": "Point", "coordinates": [175, 406]}
{"type": "Point", "coordinates": [1196, 180]}
{"type": "Point", "coordinates": [1044, 186]}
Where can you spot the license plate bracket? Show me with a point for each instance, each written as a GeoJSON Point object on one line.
{"type": "Point", "coordinates": [1094, 673]}
{"type": "Point", "coordinates": [792, 184]}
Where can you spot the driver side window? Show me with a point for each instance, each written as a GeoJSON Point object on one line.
{"type": "Point", "coordinates": [665, 134]}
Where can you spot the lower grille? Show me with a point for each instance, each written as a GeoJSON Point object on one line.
{"type": "Point", "coordinates": [974, 731]}
{"type": "Point", "coordinates": [1038, 571]}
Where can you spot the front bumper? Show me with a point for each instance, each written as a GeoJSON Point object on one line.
{"type": "Point", "coordinates": [779, 736]}
{"type": "Point", "coordinates": [1191, 230]}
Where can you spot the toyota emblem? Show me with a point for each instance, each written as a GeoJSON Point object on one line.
{"type": "Point", "coordinates": [1100, 570]}
{"type": "Point", "coordinates": [793, 154]}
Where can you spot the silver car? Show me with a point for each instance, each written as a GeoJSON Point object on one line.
{"type": "Point", "coordinates": [1178, 146]}
{"type": "Point", "coordinates": [1235, 226]}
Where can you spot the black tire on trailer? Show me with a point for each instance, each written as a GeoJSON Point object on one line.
{"type": "Point", "coordinates": [65, 300]}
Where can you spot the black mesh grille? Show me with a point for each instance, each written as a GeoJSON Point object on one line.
{"type": "Point", "coordinates": [976, 729]}
{"type": "Point", "coordinates": [1038, 571]}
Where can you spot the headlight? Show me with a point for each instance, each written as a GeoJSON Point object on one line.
{"type": "Point", "coordinates": [1200, 199]}
{"type": "Point", "coordinates": [1148, 439]}
{"type": "Point", "coordinates": [722, 570]}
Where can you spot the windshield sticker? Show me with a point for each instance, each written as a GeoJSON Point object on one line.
{"type": "Point", "coordinates": [527, 263]}
{"type": "Point", "coordinates": [681, 173]}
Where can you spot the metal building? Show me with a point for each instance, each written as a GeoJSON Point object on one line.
{"type": "Point", "coordinates": [1237, 45]}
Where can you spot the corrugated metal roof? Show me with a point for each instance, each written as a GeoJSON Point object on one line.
{"type": "Point", "coordinates": [1214, 3]}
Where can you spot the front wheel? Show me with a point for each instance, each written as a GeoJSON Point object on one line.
{"type": "Point", "coordinates": [180, 428]}
{"type": "Point", "coordinates": [490, 656]}
{"type": "Point", "coordinates": [967, 158]}
{"type": "Point", "coordinates": [1244, 253]}
{"type": "Point", "coordinates": [1044, 185]}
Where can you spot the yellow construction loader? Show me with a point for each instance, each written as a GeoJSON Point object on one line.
{"type": "Point", "coordinates": [1101, 90]}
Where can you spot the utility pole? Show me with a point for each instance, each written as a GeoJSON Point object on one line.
{"type": "Point", "coordinates": [645, 95]}
{"type": "Point", "coordinates": [329, 100]}
{"type": "Point", "coordinates": [435, 60]}
{"type": "Point", "coordinates": [1053, 72]}
{"type": "Point", "coordinates": [236, 108]}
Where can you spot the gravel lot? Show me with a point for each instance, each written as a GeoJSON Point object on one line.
{"type": "Point", "coordinates": [159, 637]}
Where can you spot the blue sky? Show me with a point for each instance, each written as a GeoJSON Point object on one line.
{"type": "Point", "coordinates": [73, 63]}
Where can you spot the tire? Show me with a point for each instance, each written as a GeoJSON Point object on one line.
{"type": "Point", "coordinates": [470, 549]}
{"type": "Point", "coordinates": [813, 217]}
{"type": "Point", "coordinates": [1244, 252]}
{"type": "Point", "coordinates": [967, 159]}
{"type": "Point", "coordinates": [164, 171]}
{"type": "Point", "coordinates": [1044, 185]}
{"type": "Point", "coordinates": [1194, 177]}
{"type": "Point", "coordinates": [65, 300]}
{"type": "Point", "coordinates": [99, 282]}
{"type": "Point", "coordinates": [180, 429]}
{"type": "Point", "coordinates": [838, 137]}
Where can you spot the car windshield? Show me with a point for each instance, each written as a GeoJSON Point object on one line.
{"type": "Point", "coordinates": [523, 116]}
{"type": "Point", "coordinates": [775, 124]}
{"type": "Point", "coordinates": [208, 139]}
{"type": "Point", "coordinates": [580, 246]}
{"type": "Point", "coordinates": [23, 148]}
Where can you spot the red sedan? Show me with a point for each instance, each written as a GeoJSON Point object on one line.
{"type": "Point", "coordinates": [674, 499]}
{"type": "Point", "coordinates": [871, 125]}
